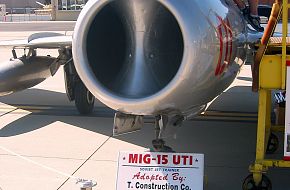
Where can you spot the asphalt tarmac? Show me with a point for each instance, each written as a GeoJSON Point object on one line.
{"type": "Point", "coordinates": [43, 140]}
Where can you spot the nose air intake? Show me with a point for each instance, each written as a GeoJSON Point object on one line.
{"type": "Point", "coordinates": [149, 57]}
{"type": "Point", "coordinates": [134, 48]}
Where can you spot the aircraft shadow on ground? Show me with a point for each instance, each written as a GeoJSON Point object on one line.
{"type": "Point", "coordinates": [50, 107]}
{"type": "Point", "coordinates": [236, 99]}
{"type": "Point", "coordinates": [101, 121]}
{"type": "Point", "coordinates": [228, 146]}
{"type": "Point", "coordinates": [61, 110]}
{"type": "Point", "coordinates": [245, 78]}
{"type": "Point", "coordinates": [36, 97]}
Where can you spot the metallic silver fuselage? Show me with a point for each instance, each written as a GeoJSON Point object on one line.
{"type": "Point", "coordinates": [149, 57]}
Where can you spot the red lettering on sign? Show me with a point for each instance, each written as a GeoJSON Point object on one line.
{"type": "Point", "coordinates": [150, 177]}
{"type": "Point", "coordinates": [139, 158]}
{"type": "Point", "coordinates": [133, 158]}
{"type": "Point", "coordinates": [184, 159]}
{"type": "Point", "coordinates": [146, 159]}
{"type": "Point", "coordinates": [162, 159]}
{"type": "Point", "coordinates": [190, 160]}
{"type": "Point", "coordinates": [176, 159]}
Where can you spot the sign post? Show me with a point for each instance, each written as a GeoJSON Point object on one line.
{"type": "Point", "coordinates": [159, 170]}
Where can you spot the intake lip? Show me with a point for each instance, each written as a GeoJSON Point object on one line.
{"type": "Point", "coordinates": [113, 82]}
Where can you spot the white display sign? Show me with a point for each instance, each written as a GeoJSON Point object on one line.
{"type": "Point", "coordinates": [2, 10]}
{"type": "Point", "coordinates": [159, 170]}
{"type": "Point", "coordinates": [287, 116]}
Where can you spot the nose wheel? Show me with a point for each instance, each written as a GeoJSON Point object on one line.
{"type": "Point", "coordinates": [159, 146]}
{"type": "Point", "coordinates": [161, 123]}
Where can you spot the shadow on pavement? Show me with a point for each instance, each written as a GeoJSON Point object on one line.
{"type": "Point", "coordinates": [229, 147]}
{"type": "Point", "coordinates": [50, 107]}
{"type": "Point", "coordinates": [245, 78]}
{"type": "Point", "coordinates": [56, 107]}
{"type": "Point", "coordinates": [37, 97]}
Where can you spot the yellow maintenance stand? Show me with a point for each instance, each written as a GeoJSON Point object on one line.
{"type": "Point", "coordinates": [269, 73]}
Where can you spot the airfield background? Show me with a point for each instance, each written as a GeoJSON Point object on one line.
{"type": "Point", "coordinates": [66, 10]}
{"type": "Point", "coordinates": [32, 4]}
{"type": "Point", "coordinates": [22, 3]}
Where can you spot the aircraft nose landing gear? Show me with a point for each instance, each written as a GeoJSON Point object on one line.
{"type": "Point", "coordinates": [77, 91]}
{"type": "Point", "coordinates": [84, 99]}
{"type": "Point", "coordinates": [159, 146]}
{"type": "Point", "coordinates": [161, 123]}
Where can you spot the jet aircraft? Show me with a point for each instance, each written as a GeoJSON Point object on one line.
{"type": "Point", "coordinates": [160, 58]}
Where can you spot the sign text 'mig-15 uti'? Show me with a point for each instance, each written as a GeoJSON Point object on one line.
{"type": "Point", "coordinates": [165, 171]}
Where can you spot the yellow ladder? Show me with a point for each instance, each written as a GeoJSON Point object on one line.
{"type": "Point", "coordinates": [269, 73]}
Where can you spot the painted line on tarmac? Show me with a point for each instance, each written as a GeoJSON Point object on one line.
{"type": "Point", "coordinates": [40, 107]}
{"type": "Point", "coordinates": [230, 114]}
{"type": "Point", "coordinates": [225, 119]}
{"type": "Point", "coordinates": [7, 111]}
{"type": "Point", "coordinates": [82, 164]}
{"type": "Point", "coordinates": [211, 115]}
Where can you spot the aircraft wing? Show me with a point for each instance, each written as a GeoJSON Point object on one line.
{"type": "Point", "coordinates": [45, 40]}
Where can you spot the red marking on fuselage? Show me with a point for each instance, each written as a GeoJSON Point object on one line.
{"type": "Point", "coordinates": [231, 41]}
{"type": "Point", "coordinates": [228, 46]}
{"type": "Point", "coordinates": [220, 36]}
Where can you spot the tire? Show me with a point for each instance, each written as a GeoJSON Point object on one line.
{"type": "Point", "coordinates": [249, 183]}
{"type": "Point", "coordinates": [84, 100]}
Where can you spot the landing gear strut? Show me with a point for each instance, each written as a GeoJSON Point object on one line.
{"type": "Point", "coordinates": [84, 99]}
{"type": "Point", "coordinates": [77, 91]}
{"type": "Point", "coordinates": [161, 123]}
